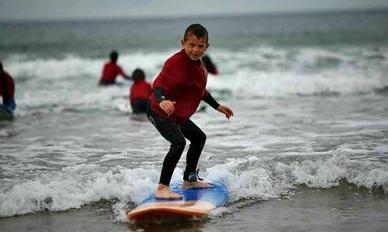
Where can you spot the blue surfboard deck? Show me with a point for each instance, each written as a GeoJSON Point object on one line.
{"type": "Point", "coordinates": [197, 202]}
{"type": "Point", "coordinates": [5, 113]}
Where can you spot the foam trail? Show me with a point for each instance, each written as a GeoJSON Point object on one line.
{"type": "Point", "coordinates": [249, 178]}
{"type": "Point", "coordinates": [73, 188]}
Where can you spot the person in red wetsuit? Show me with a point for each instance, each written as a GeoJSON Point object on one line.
{"type": "Point", "coordinates": [111, 70]}
{"type": "Point", "coordinates": [139, 92]}
{"type": "Point", "coordinates": [177, 92]}
{"type": "Point", "coordinates": [7, 89]}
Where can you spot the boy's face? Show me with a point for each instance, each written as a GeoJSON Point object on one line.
{"type": "Point", "coordinates": [194, 47]}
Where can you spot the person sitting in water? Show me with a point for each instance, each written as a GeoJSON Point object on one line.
{"type": "Point", "coordinates": [209, 65]}
{"type": "Point", "coordinates": [111, 70]}
{"type": "Point", "coordinates": [139, 92]}
{"type": "Point", "coordinates": [7, 89]}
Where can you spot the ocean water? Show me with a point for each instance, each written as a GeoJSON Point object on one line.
{"type": "Point", "coordinates": [306, 151]}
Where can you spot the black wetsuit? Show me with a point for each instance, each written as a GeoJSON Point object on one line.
{"type": "Point", "coordinates": [176, 133]}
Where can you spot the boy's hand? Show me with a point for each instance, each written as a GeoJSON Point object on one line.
{"type": "Point", "coordinates": [225, 110]}
{"type": "Point", "coordinates": [167, 106]}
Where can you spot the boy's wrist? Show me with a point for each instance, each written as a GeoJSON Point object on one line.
{"type": "Point", "coordinates": [160, 99]}
{"type": "Point", "coordinates": [159, 94]}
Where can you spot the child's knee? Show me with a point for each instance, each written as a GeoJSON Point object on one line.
{"type": "Point", "coordinates": [179, 145]}
{"type": "Point", "coordinates": [201, 138]}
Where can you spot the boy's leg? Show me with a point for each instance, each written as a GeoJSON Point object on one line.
{"type": "Point", "coordinates": [170, 130]}
{"type": "Point", "coordinates": [197, 138]}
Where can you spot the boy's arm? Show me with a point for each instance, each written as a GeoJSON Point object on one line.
{"type": "Point", "coordinates": [211, 101]}
{"type": "Point", "coordinates": [167, 80]}
{"type": "Point", "coordinates": [166, 105]}
{"type": "Point", "coordinates": [220, 108]}
{"type": "Point", "coordinates": [225, 110]}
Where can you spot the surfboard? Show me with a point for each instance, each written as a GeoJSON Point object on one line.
{"type": "Point", "coordinates": [196, 203]}
{"type": "Point", "coordinates": [5, 113]}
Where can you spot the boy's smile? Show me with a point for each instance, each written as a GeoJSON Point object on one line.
{"type": "Point", "coordinates": [194, 47]}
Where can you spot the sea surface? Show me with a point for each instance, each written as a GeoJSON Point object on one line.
{"type": "Point", "coordinates": [307, 149]}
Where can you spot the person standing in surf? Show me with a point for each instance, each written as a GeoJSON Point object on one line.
{"type": "Point", "coordinates": [111, 70]}
{"type": "Point", "coordinates": [7, 89]}
{"type": "Point", "coordinates": [177, 92]}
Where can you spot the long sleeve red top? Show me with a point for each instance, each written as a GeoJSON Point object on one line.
{"type": "Point", "coordinates": [110, 72]}
{"type": "Point", "coordinates": [183, 81]}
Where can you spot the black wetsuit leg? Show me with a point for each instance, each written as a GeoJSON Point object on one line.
{"type": "Point", "coordinates": [171, 131]}
{"type": "Point", "coordinates": [197, 141]}
{"type": "Point", "coordinates": [175, 134]}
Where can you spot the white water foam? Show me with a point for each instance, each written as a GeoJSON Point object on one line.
{"type": "Point", "coordinates": [57, 84]}
{"type": "Point", "coordinates": [247, 179]}
{"type": "Point", "coordinates": [74, 187]}
{"type": "Point", "coordinates": [266, 70]}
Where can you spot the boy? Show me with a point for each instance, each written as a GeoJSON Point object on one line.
{"type": "Point", "coordinates": [7, 89]}
{"type": "Point", "coordinates": [111, 70]}
{"type": "Point", "coordinates": [177, 92]}
{"type": "Point", "coordinates": [139, 92]}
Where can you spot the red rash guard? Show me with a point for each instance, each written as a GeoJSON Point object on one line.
{"type": "Point", "coordinates": [140, 89]}
{"type": "Point", "coordinates": [7, 87]}
{"type": "Point", "coordinates": [183, 81]}
{"type": "Point", "coordinates": [110, 72]}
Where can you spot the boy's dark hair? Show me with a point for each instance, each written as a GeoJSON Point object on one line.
{"type": "Point", "coordinates": [1, 68]}
{"type": "Point", "coordinates": [198, 30]}
{"type": "Point", "coordinates": [138, 74]}
{"type": "Point", "coordinates": [114, 55]}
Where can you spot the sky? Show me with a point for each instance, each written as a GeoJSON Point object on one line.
{"type": "Point", "coordinates": [89, 9]}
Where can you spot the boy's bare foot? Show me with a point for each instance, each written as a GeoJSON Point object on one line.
{"type": "Point", "coordinates": [195, 184]}
{"type": "Point", "coordinates": [164, 192]}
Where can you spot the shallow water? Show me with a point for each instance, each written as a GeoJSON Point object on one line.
{"type": "Point", "coordinates": [342, 208]}
{"type": "Point", "coordinates": [269, 147]}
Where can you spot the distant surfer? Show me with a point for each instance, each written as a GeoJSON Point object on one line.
{"type": "Point", "coordinates": [7, 89]}
{"type": "Point", "coordinates": [139, 92]}
{"type": "Point", "coordinates": [177, 92]}
{"type": "Point", "coordinates": [111, 70]}
{"type": "Point", "coordinates": [209, 65]}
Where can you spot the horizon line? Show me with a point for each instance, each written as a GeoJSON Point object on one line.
{"type": "Point", "coordinates": [208, 15]}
